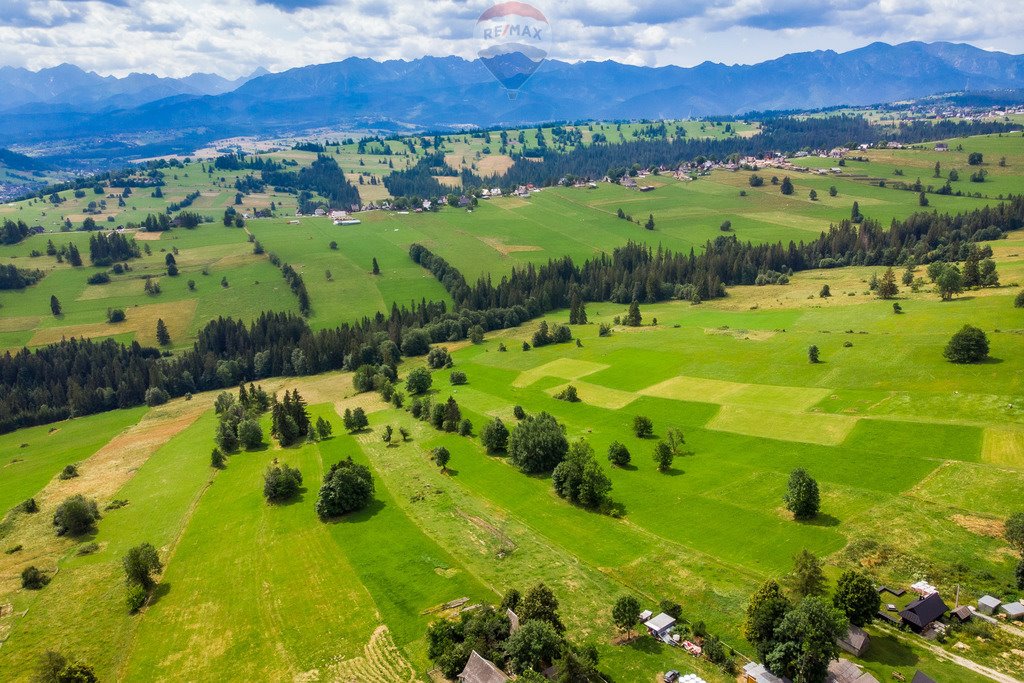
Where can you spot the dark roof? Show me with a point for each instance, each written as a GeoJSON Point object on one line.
{"type": "Point", "coordinates": [855, 641]}
{"type": "Point", "coordinates": [963, 613]}
{"type": "Point", "coordinates": [924, 611]}
{"type": "Point", "coordinates": [922, 678]}
{"type": "Point", "coordinates": [480, 670]}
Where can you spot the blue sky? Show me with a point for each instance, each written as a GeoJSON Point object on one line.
{"type": "Point", "coordinates": [232, 37]}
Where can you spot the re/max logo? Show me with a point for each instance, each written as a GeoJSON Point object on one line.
{"type": "Point", "coordinates": [508, 30]}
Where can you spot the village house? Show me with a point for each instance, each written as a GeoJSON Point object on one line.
{"type": "Point", "coordinates": [660, 627]}
{"type": "Point", "coordinates": [855, 641]}
{"type": "Point", "coordinates": [989, 605]}
{"type": "Point", "coordinates": [845, 671]}
{"type": "Point", "coordinates": [1014, 611]}
{"type": "Point", "coordinates": [480, 670]}
{"type": "Point", "coordinates": [923, 612]}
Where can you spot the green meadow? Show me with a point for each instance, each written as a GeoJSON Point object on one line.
{"type": "Point", "coordinates": [919, 461]}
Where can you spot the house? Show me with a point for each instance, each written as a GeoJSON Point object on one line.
{"type": "Point", "coordinates": [754, 672]}
{"type": "Point", "coordinates": [942, 147]}
{"type": "Point", "coordinates": [660, 625]}
{"type": "Point", "coordinates": [922, 612]}
{"type": "Point", "coordinates": [645, 615]}
{"type": "Point", "coordinates": [319, 212]}
{"type": "Point", "coordinates": [920, 677]}
{"type": "Point", "coordinates": [1014, 611]}
{"type": "Point", "coordinates": [988, 605]}
{"type": "Point", "coordinates": [845, 671]}
{"type": "Point", "coordinates": [513, 620]}
{"type": "Point", "coordinates": [480, 670]}
{"type": "Point", "coordinates": [627, 182]}
{"type": "Point", "coordinates": [855, 641]}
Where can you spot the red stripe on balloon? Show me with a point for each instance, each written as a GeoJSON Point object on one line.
{"type": "Point", "coordinates": [518, 8]}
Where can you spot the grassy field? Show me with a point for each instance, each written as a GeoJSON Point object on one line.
{"type": "Point", "coordinates": [919, 461]}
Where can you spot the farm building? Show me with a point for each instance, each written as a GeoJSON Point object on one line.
{"type": "Point", "coordinates": [855, 641]}
{"type": "Point", "coordinates": [645, 615]}
{"type": "Point", "coordinates": [845, 671]}
{"type": "Point", "coordinates": [988, 604]}
{"type": "Point", "coordinates": [480, 670]}
{"type": "Point", "coordinates": [922, 612]}
{"type": "Point", "coordinates": [924, 589]}
{"type": "Point", "coordinates": [1014, 610]}
{"type": "Point", "coordinates": [962, 613]}
{"type": "Point", "coordinates": [921, 677]}
{"type": "Point", "coordinates": [754, 672]}
{"type": "Point", "coordinates": [660, 625]}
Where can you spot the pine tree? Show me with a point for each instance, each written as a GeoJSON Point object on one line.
{"type": "Point", "coordinates": [887, 288]}
{"type": "Point", "coordinates": [162, 335]}
{"type": "Point", "coordinates": [55, 306]}
{"type": "Point", "coordinates": [633, 317]}
{"type": "Point", "coordinates": [787, 186]}
{"type": "Point", "coordinates": [376, 266]}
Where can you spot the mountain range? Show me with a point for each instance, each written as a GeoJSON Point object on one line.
{"type": "Point", "coordinates": [107, 117]}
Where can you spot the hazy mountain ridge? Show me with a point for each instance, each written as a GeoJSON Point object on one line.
{"type": "Point", "coordinates": [436, 92]}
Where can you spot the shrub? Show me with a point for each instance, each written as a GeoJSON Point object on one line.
{"type": "Point", "coordinates": [494, 435]}
{"type": "Point", "coordinates": [457, 377]}
{"type": "Point", "coordinates": [643, 427]}
{"type": "Point", "coordinates": [140, 563]}
{"type": "Point", "coordinates": [439, 358]}
{"type": "Point", "coordinates": [618, 454]}
{"type": "Point", "coordinates": [418, 381]}
{"type": "Point", "coordinates": [155, 396]}
{"type": "Point", "coordinates": [519, 413]}
{"type": "Point", "coordinates": [347, 487]}
{"type": "Point", "coordinates": [465, 428]}
{"type": "Point", "coordinates": [75, 516]}
{"type": "Point", "coordinates": [29, 506]}
{"type": "Point", "coordinates": [1018, 301]}
{"type": "Point", "coordinates": [115, 315]}
{"type": "Point", "coordinates": [100, 278]}
{"type": "Point", "coordinates": [135, 597]}
{"type": "Point", "coordinates": [69, 472]}
{"type": "Point", "coordinates": [281, 482]}
{"type": "Point", "coordinates": [568, 394]}
{"type": "Point", "coordinates": [969, 345]}
{"type": "Point", "coordinates": [33, 579]}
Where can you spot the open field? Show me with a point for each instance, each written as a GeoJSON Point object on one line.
{"type": "Point", "coordinates": [919, 461]}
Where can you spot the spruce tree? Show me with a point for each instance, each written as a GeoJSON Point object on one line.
{"type": "Point", "coordinates": [163, 337]}
{"type": "Point", "coordinates": [55, 306]}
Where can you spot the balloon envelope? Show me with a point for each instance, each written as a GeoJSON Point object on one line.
{"type": "Point", "coordinates": [514, 39]}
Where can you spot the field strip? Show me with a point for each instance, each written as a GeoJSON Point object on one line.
{"type": "Point", "coordinates": [817, 428]}
{"type": "Point", "coordinates": [381, 661]}
{"type": "Point", "coordinates": [1002, 446]}
{"type": "Point", "coordinates": [141, 320]}
{"type": "Point", "coordinates": [596, 395]}
{"type": "Point", "coordinates": [564, 368]}
{"type": "Point", "coordinates": [723, 392]}
{"type": "Point", "coordinates": [101, 476]}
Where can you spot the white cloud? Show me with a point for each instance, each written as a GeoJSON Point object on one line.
{"type": "Point", "coordinates": [232, 37]}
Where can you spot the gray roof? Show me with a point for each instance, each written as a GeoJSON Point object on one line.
{"type": "Point", "coordinates": [660, 622]}
{"type": "Point", "coordinates": [920, 677]}
{"type": "Point", "coordinates": [845, 671]}
{"type": "Point", "coordinates": [761, 674]}
{"type": "Point", "coordinates": [855, 641]}
{"type": "Point", "coordinates": [513, 619]}
{"type": "Point", "coordinates": [1014, 609]}
{"type": "Point", "coordinates": [480, 670]}
{"type": "Point", "coordinates": [989, 601]}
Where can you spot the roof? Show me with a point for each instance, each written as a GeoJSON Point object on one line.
{"type": "Point", "coordinates": [922, 678]}
{"type": "Point", "coordinates": [659, 623]}
{"type": "Point", "coordinates": [924, 611]}
{"type": "Point", "coordinates": [513, 619]}
{"type": "Point", "coordinates": [963, 613]}
{"type": "Point", "coordinates": [480, 670]}
{"type": "Point", "coordinates": [761, 674]}
{"type": "Point", "coordinates": [989, 601]}
{"type": "Point", "coordinates": [646, 614]}
{"type": "Point", "coordinates": [1014, 609]}
{"type": "Point", "coordinates": [855, 640]}
{"type": "Point", "coordinates": [845, 671]}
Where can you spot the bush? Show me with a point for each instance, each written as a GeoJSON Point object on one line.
{"type": "Point", "coordinates": [29, 506]}
{"type": "Point", "coordinates": [519, 413]}
{"type": "Point", "coordinates": [140, 563]}
{"type": "Point", "coordinates": [135, 597]}
{"type": "Point", "coordinates": [100, 278]}
{"type": "Point", "coordinates": [969, 345]}
{"type": "Point", "coordinates": [439, 358]}
{"type": "Point", "coordinates": [457, 378]}
{"type": "Point", "coordinates": [568, 394]}
{"type": "Point", "coordinates": [418, 381]}
{"type": "Point", "coordinates": [347, 487]}
{"type": "Point", "coordinates": [115, 315]}
{"type": "Point", "coordinates": [1018, 301]}
{"type": "Point", "coordinates": [75, 516]}
{"type": "Point", "coordinates": [643, 427]}
{"type": "Point", "coordinates": [155, 396]}
{"type": "Point", "coordinates": [33, 579]}
{"type": "Point", "coordinates": [494, 435]}
{"type": "Point", "coordinates": [281, 482]}
{"type": "Point", "coordinates": [69, 472]}
{"type": "Point", "coordinates": [618, 454]}
{"type": "Point", "coordinates": [537, 444]}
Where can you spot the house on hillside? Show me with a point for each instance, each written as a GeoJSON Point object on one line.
{"type": "Point", "coordinates": [480, 670]}
{"type": "Point", "coordinates": [855, 641]}
{"type": "Point", "coordinates": [660, 626]}
{"type": "Point", "coordinates": [988, 604]}
{"type": "Point", "coordinates": [962, 613]}
{"type": "Point", "coordinates": [942, 147]}
{"type": "Point", "coordinates": [627, 182]}
{"type": "Point", "coordinates": [923, 612]}
{"type": "Point", "coordinates": [1014, 611]}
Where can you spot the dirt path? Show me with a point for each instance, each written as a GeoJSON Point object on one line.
{"type": "Point", "coordinates": [958, 660]}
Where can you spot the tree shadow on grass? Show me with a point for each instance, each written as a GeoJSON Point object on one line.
{"type": "Point", "coordinates": [629, 467]}
{"type": "Point", "coordinates": [368, 512]}
{"type": "Point", "coordinates": [451, 472]}
{"type": "Point", "coordinates": [821, 520]}
{"type": "Point", "coordinates": [648, 646]}
{"type": "Point", "coordinates": [159, 591]}
{"type": "Point", "coordinates": [885, 649]}
{"type": "Point", "coordinates": [672, 472]}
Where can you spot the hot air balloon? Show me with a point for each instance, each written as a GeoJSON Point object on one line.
{"type": "Point", "coordinates": [514, 39]}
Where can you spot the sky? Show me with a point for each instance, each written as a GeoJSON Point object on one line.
{"type": "Point", "coordinates": [233, 37]}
